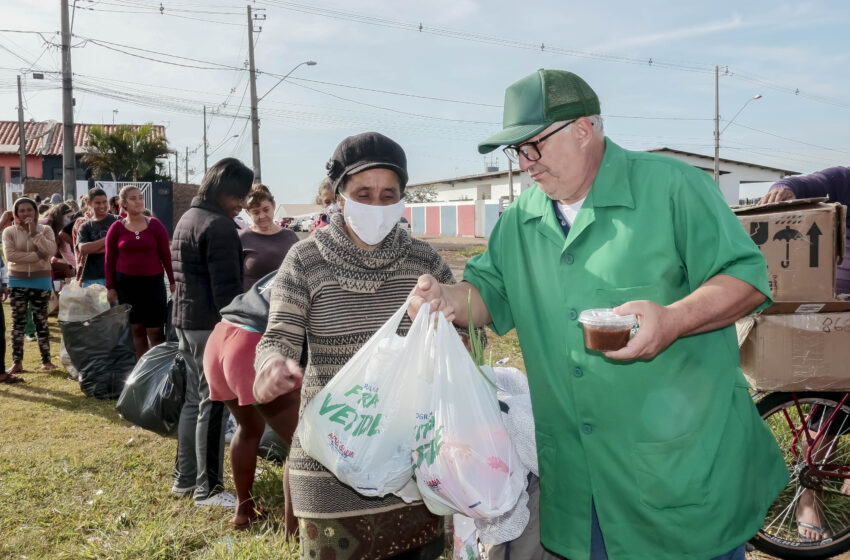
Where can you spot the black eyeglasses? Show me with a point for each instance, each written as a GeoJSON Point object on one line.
{"type": "Point", "coordinates": [530, 150]}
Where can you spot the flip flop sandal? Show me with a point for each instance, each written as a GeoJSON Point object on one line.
{"type": "Point", "coordinates": [819, 530]}
{"type": "Point", "coordinates": [10, 378]}
{"type": "Point", "coordinates": [261, 515]}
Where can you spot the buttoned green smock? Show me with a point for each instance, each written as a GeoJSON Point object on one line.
{"type": "Point", "coordinates": [671, 450]}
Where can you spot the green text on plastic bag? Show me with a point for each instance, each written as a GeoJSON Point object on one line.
{"type": "Point", "coordinates": [347, 415]}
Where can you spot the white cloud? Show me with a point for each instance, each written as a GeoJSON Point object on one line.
{"type": "Point", "coordinates": [671, 35]}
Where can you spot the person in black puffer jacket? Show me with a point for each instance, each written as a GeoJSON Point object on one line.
{"type": "Point", "coordinates": [207, 257]}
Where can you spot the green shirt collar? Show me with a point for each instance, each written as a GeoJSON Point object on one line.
{"type": "Point", "coordinates": [611, 187]}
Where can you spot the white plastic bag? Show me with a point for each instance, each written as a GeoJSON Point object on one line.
{"type": "Point", "coordinates": [465, 542]}
{"type": "Point", "coordinates": [358, 426]}
{"type": "Point", "coordinates": [65, 360]}
{"type": "Point", "coordinates": [463, 458]}
{"type": "Point", "coordinates": [81, 304]}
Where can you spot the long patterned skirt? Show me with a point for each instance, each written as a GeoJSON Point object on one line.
{"type": "Point", "coordinates": [409, 533]}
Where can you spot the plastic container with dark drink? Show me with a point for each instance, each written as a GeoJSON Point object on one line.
{"type": "Point", "coordinates": [606, 331]}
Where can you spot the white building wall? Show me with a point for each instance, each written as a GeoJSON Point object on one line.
{"type": "Point", "coordinates": [492, 188]}
{"type": "Point", "coordinates": [732, 176]}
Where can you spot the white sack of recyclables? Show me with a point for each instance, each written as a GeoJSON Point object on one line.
{"type": "Point", "coordinates": [513, 391]}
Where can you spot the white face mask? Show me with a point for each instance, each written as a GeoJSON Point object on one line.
{"type": "Point", "coordinates": [372, 223]}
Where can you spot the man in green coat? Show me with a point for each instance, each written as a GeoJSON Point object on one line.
{"type": "Point", "coordinates": [654, 451]}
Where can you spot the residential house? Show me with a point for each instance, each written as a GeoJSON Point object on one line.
{"type": "Point", "coordinates": [44, 147]}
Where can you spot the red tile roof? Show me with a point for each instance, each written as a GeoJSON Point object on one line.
{"type": "Point", "coordinates": [36, 134]}
{"type": "Point", "coordinates": [45, 138]}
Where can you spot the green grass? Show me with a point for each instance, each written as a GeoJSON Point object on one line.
{"type": "Point", "coordinates": [77, 481]}
{"type": "Point", "coordinates": [470, 252]}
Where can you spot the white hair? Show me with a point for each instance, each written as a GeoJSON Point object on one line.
{"type": "Point", "coordinates": [596, 121]}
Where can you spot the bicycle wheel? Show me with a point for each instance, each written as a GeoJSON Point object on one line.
{"type": "Point", "coordinates": [828, 495]}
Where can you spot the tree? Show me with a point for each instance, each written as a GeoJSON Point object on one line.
{"type": "Point", "coordinates": [421, 194]}
{"type": "Point", "coordinates": [127, 153]}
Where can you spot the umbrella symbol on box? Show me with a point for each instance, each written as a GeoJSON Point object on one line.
{"type": "Point", "coordinates": [788, 235]}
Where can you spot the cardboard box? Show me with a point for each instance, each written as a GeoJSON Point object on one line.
{"type": "Point", "coordinates": [796, 352]}
{"type": "Point", "coordinates": [802, 241]}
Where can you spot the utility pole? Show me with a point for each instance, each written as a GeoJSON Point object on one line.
{"type": "Point", "coordinates": [717, 125]}
{"type": "Point", "coordinates": [176, 163]}
{"type": "Point", "coordinates": [186, 161]}
{"type": "Point", "coordinates": [205, 138]}
{"type": "Point", "coordinates": [69, 164]}
{"type": "Point", "coordinates": [21, 135]}
{"type": "Point", "coordinates": [255, 120]}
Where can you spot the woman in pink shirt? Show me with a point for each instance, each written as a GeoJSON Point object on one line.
{"type": "Point", "coordinates": [137, 253]}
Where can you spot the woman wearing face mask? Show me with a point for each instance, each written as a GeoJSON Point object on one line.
{"type": "Point", "coordinates": [265, 243]}
{"type": "Point", "coordinates": [28, 247]}
{"type": "Point", "coordinates": [338, 288]}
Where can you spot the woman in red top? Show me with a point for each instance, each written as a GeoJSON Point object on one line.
{"type": "Point", "coordinates": [137, 252]}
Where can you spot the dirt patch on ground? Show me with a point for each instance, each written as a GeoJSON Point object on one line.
{"type": "Point", "coordinates": [457, 261]}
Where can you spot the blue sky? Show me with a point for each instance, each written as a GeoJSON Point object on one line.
{"type": "Point", "coordinates": [795, 54]}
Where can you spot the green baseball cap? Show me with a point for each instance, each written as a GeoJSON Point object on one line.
{"type": "Point", "coordinates": [537, 101]}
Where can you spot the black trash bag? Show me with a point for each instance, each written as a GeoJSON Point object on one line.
{"type": "Point", "coordinates": [101, 348]}
{"type": "Point", "coordinates": [153, 394]}
{"type": "Point", "coordinates": [271, 447]}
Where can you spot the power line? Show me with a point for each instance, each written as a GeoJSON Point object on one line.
{"type": "Point", "coordinates": [656, 118]}
{"type": "Point", "coordinates": [542, 47]}
{"type": "Point", "coordinates": [234, 119]}
{"type": "Point", "coordinates": [845, 152]}
{"type": "Point", "coordinates": [473, 37]}
{"type": "Point", "coordinates": [402, 94]}
{"type": "Point", "coordinates": [164, 9]}
{"type": "Point", "coordinates": [27, 32]}
{"type": "Point", "coordinates": [115, 47]}
{"type": "Point", "coordinates": [167, 15]}
{"type": "Point", "coordinates": [16, 55]}
{"type": "Point", "coordinates": [393, 110]}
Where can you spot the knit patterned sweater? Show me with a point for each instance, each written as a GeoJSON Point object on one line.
{"type": "Point", "coordinates": [338, 296]}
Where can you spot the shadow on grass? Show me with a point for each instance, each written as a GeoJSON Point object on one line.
{"type": "Point", "coordinates": [66, 401]}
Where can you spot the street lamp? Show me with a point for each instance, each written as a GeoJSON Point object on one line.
{"type": "Point", "coordinates": [255, 118]}
{"type": "Point", "coordinates": [753, 98]}
{"type": "Point", "coordinates": [305, 63]}
{"type": "Point", "coordinates": [718, 133]}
